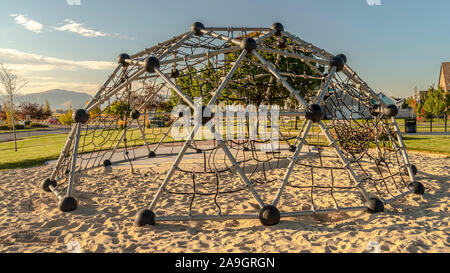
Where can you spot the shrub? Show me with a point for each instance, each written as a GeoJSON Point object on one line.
{"type": "Point", "coordinates": [6, 127]}
{"type": "Point", "coordinates": [121, 124]}
{"type": "Point", "coordinates": [38, 125]}
{"type": "Point", "coordinates": [66, 119]}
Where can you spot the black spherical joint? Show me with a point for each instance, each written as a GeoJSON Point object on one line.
{"type": "Point", "coordinates": [343, 57]}
{"type": "Point", "coordinates": [150, 64]}
{"type": "Point", "coordinates": [145, 217]}
{"type": "Point", "coordinates": [47, 183]}
{"type": "Point", "coordinates": [278, 27]}
{"type": "Point", "coordinates": [249, 44]}
{"type": "Point", "coordinates": [81, 116]}
{"type": "Point", "coordinates": [151, 154]}
{"type": "Point", "coordinates": [337, 62]}
{"type": "Point", "coordinates": [390, 111]}
{"type": "Point", "coordinates": [414, 169]}
{"type": "Point", "coordinates": [417, 188]}
{"type": "Point", "coordinates": [315, 113]}
{"type": "Point", "coordinates": [374, 205]}
{"type": "Point", "coordinates": [135, 114]}
{"type": "Point", "coordinates": [269, 216]}
{"type": "Point", "coordinates": [197, 28]}
{"type": "Point", "coordinates": [375, 110]}
{"type": "Point", "coordinates": [122, 59]}
{"type": "Point", "coordinates": [292, 149]}
{"type": "Point", "coordinates": [67, 204]}
{"type": "Point", "coordinates": [107, 163]}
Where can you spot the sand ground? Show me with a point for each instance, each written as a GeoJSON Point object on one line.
{"type": "Point", "coordinates": [108, 202]}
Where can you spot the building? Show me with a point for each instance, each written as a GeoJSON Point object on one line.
{"type": "Point", "coordinates": [444, 77]}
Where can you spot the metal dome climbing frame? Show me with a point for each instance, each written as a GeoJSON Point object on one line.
{"type": "Point", "coordinates": [222, 64]}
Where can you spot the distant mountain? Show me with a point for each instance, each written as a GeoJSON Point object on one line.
{"type": "Point", "coordinates": [58, 99]}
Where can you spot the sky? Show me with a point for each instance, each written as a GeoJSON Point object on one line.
{"type": "Point", "coordinates": [394, 45]}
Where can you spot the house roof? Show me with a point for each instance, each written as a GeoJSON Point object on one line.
{"type": "Point", "coordinates": [445, 71]}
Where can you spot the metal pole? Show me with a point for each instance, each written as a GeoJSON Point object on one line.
{"type": "Point", "coordinates": [193, 132]}
{"type": "Point", "coordinates": [221, 36]}
{"type": "Point", "coordinates": [318, 100]}
{"type": "Point", "coordinates": [74, 160]}
{"type": "Point", "coordinates": [346, 164]}
{"type": "Point", "coordinates": [309, 46]}
{"type": "Point", "coordinates": [165, 135]}
{"type": "Point", "coordinates": [177, 45]}
{"type": "Point", "coordinates": [103, 86]}
{"type": "Point", "coordinates": [281, 79]}
{"type": "Point", "coordinates": [175, 87]}
{"type": "Point", "coordinates": [294, 55]}
{"type": "Point", "coordinates": [63, 152]}
{"type": "Point", "coordinates": [174, 167]}
{"type": "Point", "coordinates": [117, 144]}
{"type": "Point", "coordinates": [403, 150]}
{"type": "Point", "coordinates": [148, 50]}
{"type": "Point", "coordinates": [116, 90]}
{"type": "Point", "coordinates": [292, 164]}
{"type": "Point", "coordinates": [143, 135]}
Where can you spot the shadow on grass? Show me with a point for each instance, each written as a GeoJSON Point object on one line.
{"type": "Point", "coordinates": [25, 163]}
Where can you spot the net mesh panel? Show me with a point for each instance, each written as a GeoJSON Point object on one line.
{"type": "Point", "coordinates": [207, 183]}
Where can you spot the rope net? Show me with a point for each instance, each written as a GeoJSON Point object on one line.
{"type": "Point", "coordinates": [206, 180]}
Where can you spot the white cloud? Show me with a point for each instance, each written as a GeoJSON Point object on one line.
{"type": "Point", "coordinates": [28, 23]}
{"type": "Point", "coordinates": [68, 25]}
{"type": "Point", "coordinates": [23, 61]}
{"type": "Point", "coordinates": [43, 73]}
{"type": "Point", "coordinates": [73, 2]}
{"type": "Point", "coordinates": [374, 2]}
{"type": "Point", "coordinates": [72, 26]}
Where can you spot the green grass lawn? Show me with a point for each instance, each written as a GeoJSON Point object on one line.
{"type": "Point", "coordinates": [25, 130]}
{"type": "Point", "coordinates": [432, 143]}
{"type": "Point", "coordinates": [34, 151]}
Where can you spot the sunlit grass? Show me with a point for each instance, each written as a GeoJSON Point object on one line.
{"type": "Point", "coordinates": [34, 151]}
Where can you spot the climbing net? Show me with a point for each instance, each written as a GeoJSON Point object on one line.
{"type": "Point", "coordinates": [337, 148]}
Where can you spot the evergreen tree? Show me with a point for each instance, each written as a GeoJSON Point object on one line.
{"type": "Point", "coordinates": [435, 102]}
{"type": "Point", "coordinates": [47, 109]}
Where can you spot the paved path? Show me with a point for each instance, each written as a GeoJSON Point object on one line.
{"type": "Point", "coordinates": [22, 134]}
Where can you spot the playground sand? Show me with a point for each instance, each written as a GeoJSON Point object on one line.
{"type": "Point", "coordinates": [108, 202]}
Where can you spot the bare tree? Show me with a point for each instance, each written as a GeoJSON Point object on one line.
{"type": "Point", "coordinates": [10, 88]}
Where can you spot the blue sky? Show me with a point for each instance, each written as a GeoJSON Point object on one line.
{"type": "Point", "coordinates": [394, 46]}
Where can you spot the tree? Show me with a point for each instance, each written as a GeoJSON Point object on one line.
{"type": "Point", "coordinates": [66, 119]}
{"type": "Point", "coordinates": [118, 109]}
{"type": "Point", "coordinates": [34, 110]}
{"type": "Point", "coordinates": [11, 86]}
{"type": "Point", "coordinates": [47, 110]}
{"type": "Point", "coordinates": [246, 88]}
{"type": "Point", "coordinates": [435, 102]}
{"type": "Point", "coordinates": [2, 115]}
{"type": "Point", "coordinates": [95, 112]}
